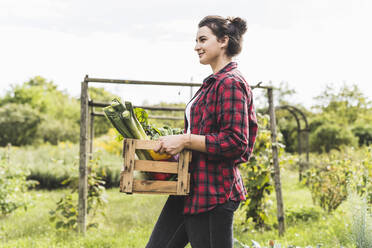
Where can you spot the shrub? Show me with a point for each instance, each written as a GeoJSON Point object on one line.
{"type": "Point", "coordinates": [333, 175]}
{"type": "Point", "coordinates": [328, 185]}
{"type": "Point", "coordinates": [361, 222]}
{"type": "Point", "coordinates": [257, 177]}
{"type": "Point", "coordinates": [65, 214]}
{"type": "Point", "coordinates": [48, 179]}
{"type": "Point", "coordinates": [18, 124]}
{"type": "Point", "coordinates": [330, 136]}
{"type": "Point", "coordinates": [13, 189]}
{"type": "Point", "coordinates": [54, 131]}
{"type": "Point", "coordinates": [364, 134]}
{"type": "Point", "coordinates": [303, 214]}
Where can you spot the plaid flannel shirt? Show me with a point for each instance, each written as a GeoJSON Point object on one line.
{"type": "Point", "coordinates": [223, 111]}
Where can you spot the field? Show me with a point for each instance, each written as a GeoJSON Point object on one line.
{"type": "Point", "coordinates": [129, 219]}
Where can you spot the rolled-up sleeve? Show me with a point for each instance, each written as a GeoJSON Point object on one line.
{"type": "Point", "coordinates": [232, 118]}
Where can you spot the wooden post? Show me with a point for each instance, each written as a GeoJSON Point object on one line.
{"type": "Point", "coordinates": [91, 132]}
{"type": "Point", "coordinates": [83, 187]}
{"type": "Point", "coordinates": [278, 186]}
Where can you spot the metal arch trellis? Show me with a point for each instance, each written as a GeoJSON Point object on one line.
{"type": "Point", "coordinates": [302, 136]}
{"type": "Point", "coordinates": [85, 117]}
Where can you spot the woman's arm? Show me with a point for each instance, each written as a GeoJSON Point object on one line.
{"type": "Point", "coordinates": [174, 144]}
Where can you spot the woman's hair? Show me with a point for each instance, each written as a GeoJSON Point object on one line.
{"type": "Point", "coordinates": [233, 27]}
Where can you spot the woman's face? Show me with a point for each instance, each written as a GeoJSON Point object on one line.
{"type": "Point", "coordinates": [207, 46]}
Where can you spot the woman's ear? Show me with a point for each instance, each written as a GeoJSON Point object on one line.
{"type": "Point", "coordinates": [224, 41]}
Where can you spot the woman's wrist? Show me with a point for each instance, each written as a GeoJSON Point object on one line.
{"type": "Point", "coordinates": [187, 140]}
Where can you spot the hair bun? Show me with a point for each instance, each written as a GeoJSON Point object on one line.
{"type": "Point", "coordinates": [239, 24]}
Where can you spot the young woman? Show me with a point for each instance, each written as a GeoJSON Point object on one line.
{"type": "Point", "coordinates": [220, 129]}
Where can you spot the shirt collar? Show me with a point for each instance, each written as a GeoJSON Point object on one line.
{"type": "Point", "coordinates": [213, 77]}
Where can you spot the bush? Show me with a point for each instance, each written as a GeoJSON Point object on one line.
{"type": "Point", "coordinates": [257, 177]}
{"type": "Point", "coordinates": [18, 124]}
{"type": "Point", "coordinates": [304, 214]}
{"type": "Point", "coordinates": [13, 188]}
{"type": "Point", "coordinates": [339, 172]}
{"type": "Point", "coordinates": [361, 222]}
{"type": "Point", "coordinates": [328, 185]}
{"type": "Point", "coordinates": [65, 215]}
{"type": "Point", "coordinates": [317, 122]}
{"type": "Point", "coordinates": [54, 131]}
{"type": "Point", "coordinates": [288, 128]}
{"type": "Point", "coordinates": [330, 136]}
{"type": "Point", "coordinates": [48, 179]}
{"type": "Point", "coordinates": [364, 134]}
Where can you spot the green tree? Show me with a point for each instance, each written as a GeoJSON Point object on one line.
{"type": "Point", "coordinates": [59, 113]}
{"type": "Point", "coordinates": [340, 111]}
{"type": "Point", "coordinates": [345, 105]}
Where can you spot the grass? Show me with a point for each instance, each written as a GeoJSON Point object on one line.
{"type": "Point", "coordinates": [130, 218]}
{"type": "Point", "coordinates": [128, 223]}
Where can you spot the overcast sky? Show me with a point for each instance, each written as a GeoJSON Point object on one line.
{"type": "Point", "coordinates": [306, 43]}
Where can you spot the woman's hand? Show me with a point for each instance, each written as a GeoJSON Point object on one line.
{"type": "Point", "coordinates": [172, 144]}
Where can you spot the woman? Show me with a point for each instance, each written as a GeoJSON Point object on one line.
{"type": "Point", "coordinates": [221, 128]}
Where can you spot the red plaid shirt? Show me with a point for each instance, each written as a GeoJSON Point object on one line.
{"type": "Point", "coordinates": [224, 113]}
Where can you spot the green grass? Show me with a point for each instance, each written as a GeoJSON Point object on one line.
{"type": "Point", "coordinates": [130, 218]}
{"type": "Point", "coordinates": [128, 223]}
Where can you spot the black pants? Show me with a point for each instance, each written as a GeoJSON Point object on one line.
{"type": "Point", "coordinates": [212, 229]}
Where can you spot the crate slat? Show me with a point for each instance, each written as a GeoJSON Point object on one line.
{"type": "Point", "coordinates": [154, 193]}
{"type": "Point", "coordinates": [156, 166]}
{"type": "Point", "coordinates": [129, 152]}
{"type": "Point", "coordinates": [169, 187]}
{"type": "Point", "coordinates": [146, 144]}
{"type": "Point", "coordinates": [183, 175]}
{"type": "Point", "coordinates": [188, 182]}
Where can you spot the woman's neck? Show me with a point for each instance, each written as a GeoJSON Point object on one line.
{"type": "Point", "coordinates": [220, 63]}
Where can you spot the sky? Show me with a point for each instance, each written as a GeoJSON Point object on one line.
{"type": "Point", "coordinates": [304, 43]}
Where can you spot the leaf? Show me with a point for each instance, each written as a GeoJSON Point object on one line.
{"type": "Point", "coordinates": [59, 224]}
{"type": "Point", "coordinates": [66, 181]}
{"type": "Point", "coordinates": [92, 225]}
{"type": "Point", "coordinates": [142, 116]}
{"type": "Point", "coordinates": [71, 222]}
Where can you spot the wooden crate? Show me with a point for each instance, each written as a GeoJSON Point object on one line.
{"type": "Point", "coordinates": [130, 185]}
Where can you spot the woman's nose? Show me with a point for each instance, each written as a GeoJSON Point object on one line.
{"type": "Point", "coordinates": [197, 47]}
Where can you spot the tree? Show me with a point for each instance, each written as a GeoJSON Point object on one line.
{"type": "Point", "coordinates": [340, 111]}
{"type": "Point", "coordinates": [58, 112]}
{"type": "Point", "coordinates": [344, 105]}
